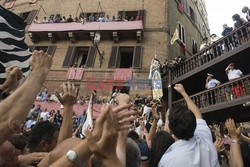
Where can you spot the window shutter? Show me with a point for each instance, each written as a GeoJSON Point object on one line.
{"type": "Point", "coordinates": [91, 57]}
{"type": "Point", "coordinates": [31, 16]}
{"type": "Point", "coordinates": [137, 59]}
{"type": "Point", "coordinates": [32, 47]}
{"type": "Point", "coordinates": [183, 35]}
{"type": "Point", "coordinates": [143, 15]}
{"type": "Point", "coordinates": [51, 50]}
{"type": "Point", "coordinates": [69, 56]}
{"type": "Point", "coordinates": [113, 57]}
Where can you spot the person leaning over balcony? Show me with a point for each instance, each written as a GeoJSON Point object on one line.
{"type": "Point", "coordinates": [203, 46]}
{"type": "Point", "coordinates": [246, 11]}
{"type": "Point", "coordinates": [242, 34]}
{"type": "Point", "coordinates": [234, 74]}
{"type": "Point", "coordinates": [211, 82]}
{"type": "Point", "coordinates": [228, 44]}
{"type": "Point", "coordinates": [193, 139]}
{"type": "Point", "coordinates": [70, 19]}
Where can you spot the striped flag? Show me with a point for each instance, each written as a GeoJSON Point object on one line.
{"type": "Point", "coordinates": [13, 50]}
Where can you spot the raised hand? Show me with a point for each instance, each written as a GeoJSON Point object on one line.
{"type": "Point", "coordinates": [14, 74]}
{"type": "Point", "coordinates": [69, 94]}
{"type": "Point", "coordinates": [219, 144]}
{"type": "Point", "coordinates": [179, 88]}
{"type": "Point", "coordinates": [233, 132]}
{"type": "Point", "coordinates": [154, 112]}
{"type": "Point", "coordinates": [40, 61]}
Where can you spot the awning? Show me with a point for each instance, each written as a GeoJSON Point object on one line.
{"type": "Point", "coordinates": [89, 26]}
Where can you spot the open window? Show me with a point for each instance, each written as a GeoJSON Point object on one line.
{"type": "Point", "coordinates": [80, 57]}
{"type": "Point", "coordinates": [126, 57]}
{"type": "Point", "coordinates": [193, 15]}
{"type": "Point", "coordinates": [121, 89]}
{"type": "Point", "coordinates": [194, 46]}
{"type": "Point", "coordinates": [181, 33]}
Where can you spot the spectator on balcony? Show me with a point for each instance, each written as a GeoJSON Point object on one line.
{"type": "Point", "coordinates": [76, 19]}
{"type": "Point", "coordinates": [119, 18]}
{"type": "Point", "coordinates": [234, 74]}
{"type": "Point", "coordinates": [205, 56]}
{"type": "Point", "coordinates": [107, 19]}
{"type": "Point", "coordinates": [44, 114]}
{"type": "Point", "coordinates": [126, 18]}
{"type": "Point", "coordinates": [211, 82]}
{"type": "Point", "coordinates": [44, 95]}
{"type": "Point", "coordinates": [58, 19]}
{"type": "Point", "coordinates": [37, 21]}
{"type": "Point", "coordinates": [242, 34]}
{"type": "Point", "coordinates": [228, 42]}
{"type": "Point", "coordinates": [91, 17]}
{"type": "Point", "coordinates": [246, 11]}
{"type": "Point", "coordinates": [70, 20]}
{"type": "Point", "coordinates": [132, 18]}
{"type": "Point", "coordinates": [64, 20]}
{"type": "Point", "coordinates": [45, 20]}
{"type": "Point", "coordinates": [216, 47]}
{"type": "Point", "coordinates": [58, 118]}
{"type": "Point", "coordinates": [31, 122]}
{"type": "Point", "coordinates": [101, 18]}
{"type": "Point", "coordinates": [138, 17]}
{"type": "Point", "coordinates": [113, 18]}
{"type": "Point", "coordinates": [51, 19]}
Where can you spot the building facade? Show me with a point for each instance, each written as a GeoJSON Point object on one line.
{"type": "Point", "coordinates": [128, 45]}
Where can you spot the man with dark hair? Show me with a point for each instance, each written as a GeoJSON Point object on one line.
{"type": "Point", "coordinates": [193, 140]}
{"type": "Point", "coordinates": [43, 137]}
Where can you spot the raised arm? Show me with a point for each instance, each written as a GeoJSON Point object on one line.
{"type": "Point", "coordinates": [228, 68]}
{"type": "Point", "coordinates": [68, 100]}
{"type": "Point", "coordinates": [191, 106]}
{"type": "Point", "coordinates": [235, 152]}
{"type": "Point", "coordinates": [23, 98]}
{"type": "Point", "coordinates": [152, 130]}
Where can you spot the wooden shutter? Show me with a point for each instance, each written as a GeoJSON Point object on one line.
{"type": "Point", "coordinates": [143, 15]}
{"type": "Point", "coordinates": [31, 16]}
{"type": "Point", "coordinates": [51, 50]}
{"type": "Point", "coordinates": [137, 58]}
{"type": "Point", "coordinates": [91, 57]}
{"type": "Point", "coordinates": [113, 57]}
{"type": "Point", "coordinates": [69, 56]}
{"type": "Point", "coordinates": [32, 47]}
{"type": "Point", "coordinates": [118, 60]}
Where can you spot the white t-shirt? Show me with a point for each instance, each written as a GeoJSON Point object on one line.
{"type": "Point", "coordinates": [234, 74]}
{"type": "Point", "coordinates": [146, 110]}
{"type": "Point", "coordinates": [212, 83]}
{"type": "Point", "coordinates": [44, 115]}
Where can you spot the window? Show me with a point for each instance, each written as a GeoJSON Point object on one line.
{"type": "Point", "coordinates": [125, 57]}
{"type": "Point", "coordinates": [181, 33]}
{"type": "Point", "coordinates": [47, 49]}
{"type": "Point", "coordinates": [28, 16]}
{"type": "Point", "coordinates": [129, 14]}
{"type": "Point", "coordinates": [194, 46]}
{"type": "Point", "coordinates": [193, 15]}
{"type": "Point", "coordinates": [80, 56]}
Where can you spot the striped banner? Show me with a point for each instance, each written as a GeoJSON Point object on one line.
{"type": "Point", "coordinates": [13, 49]}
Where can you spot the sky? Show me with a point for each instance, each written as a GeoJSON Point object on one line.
{"type": "Point", "coordinates": [221, 12]}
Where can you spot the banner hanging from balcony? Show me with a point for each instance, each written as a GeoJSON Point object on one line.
{"type": "Point", "coordinates": [13, 49]}
{"type": "Point", "coordinates": [155, 76]}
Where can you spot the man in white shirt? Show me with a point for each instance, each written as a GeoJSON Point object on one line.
{"type": "Point", "coordinates": [193, 145]}
{"type": "Point", "coordinates": [233, 74]}
{"type": "Point", "coordinates": [44, 115]}
{"type": "Point", "coordinates": [210, 82]}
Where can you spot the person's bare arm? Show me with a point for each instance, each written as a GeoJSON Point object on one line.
{"type": "Point", "coordinates": [166, 127]}
{"type": "Point", "coordinates": [235, 152]}
{"type": "Point", "coordinates": [227, 69]}
{"type": "Point", "coordinates": [245, 138]}
{"type": "Point", "coordinates": [68, 100]}
{"type": "Point", "coordinates": [152, 130]}
{"type": "Point", "coordinates": [180, 89]}
{"type": "Point", "coordinates": [15, 108]}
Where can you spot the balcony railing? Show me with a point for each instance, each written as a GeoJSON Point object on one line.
{"type": "Point", "coordinates": [230, 91]}
{"type": "Point", "coordinates": [214, 51]}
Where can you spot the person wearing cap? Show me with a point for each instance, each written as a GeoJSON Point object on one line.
{"type": "Point", "coordinates": [232, 75]}
{"type": "Point", "coordinates": [246, 10]}
{"type": "Point", "coordinates": [211, 82]}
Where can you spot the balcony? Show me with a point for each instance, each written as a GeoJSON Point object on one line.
{"type": "Point", "coordinates": [224, 101]}
{"type": "Point", "coordinates": [109, 30]}
{"type": "Point", "coordinates": [212, 58]}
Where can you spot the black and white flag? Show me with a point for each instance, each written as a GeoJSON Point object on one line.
{"type": "Point", "coordinates": [13, 50]}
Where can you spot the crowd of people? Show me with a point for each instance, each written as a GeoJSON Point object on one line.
{"type": "Point", "coordinates": [83, 19]}
{"type": "Point", "coordinates": [129, 133]}
{"type": "Point", "coordinates": [132, 133]}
